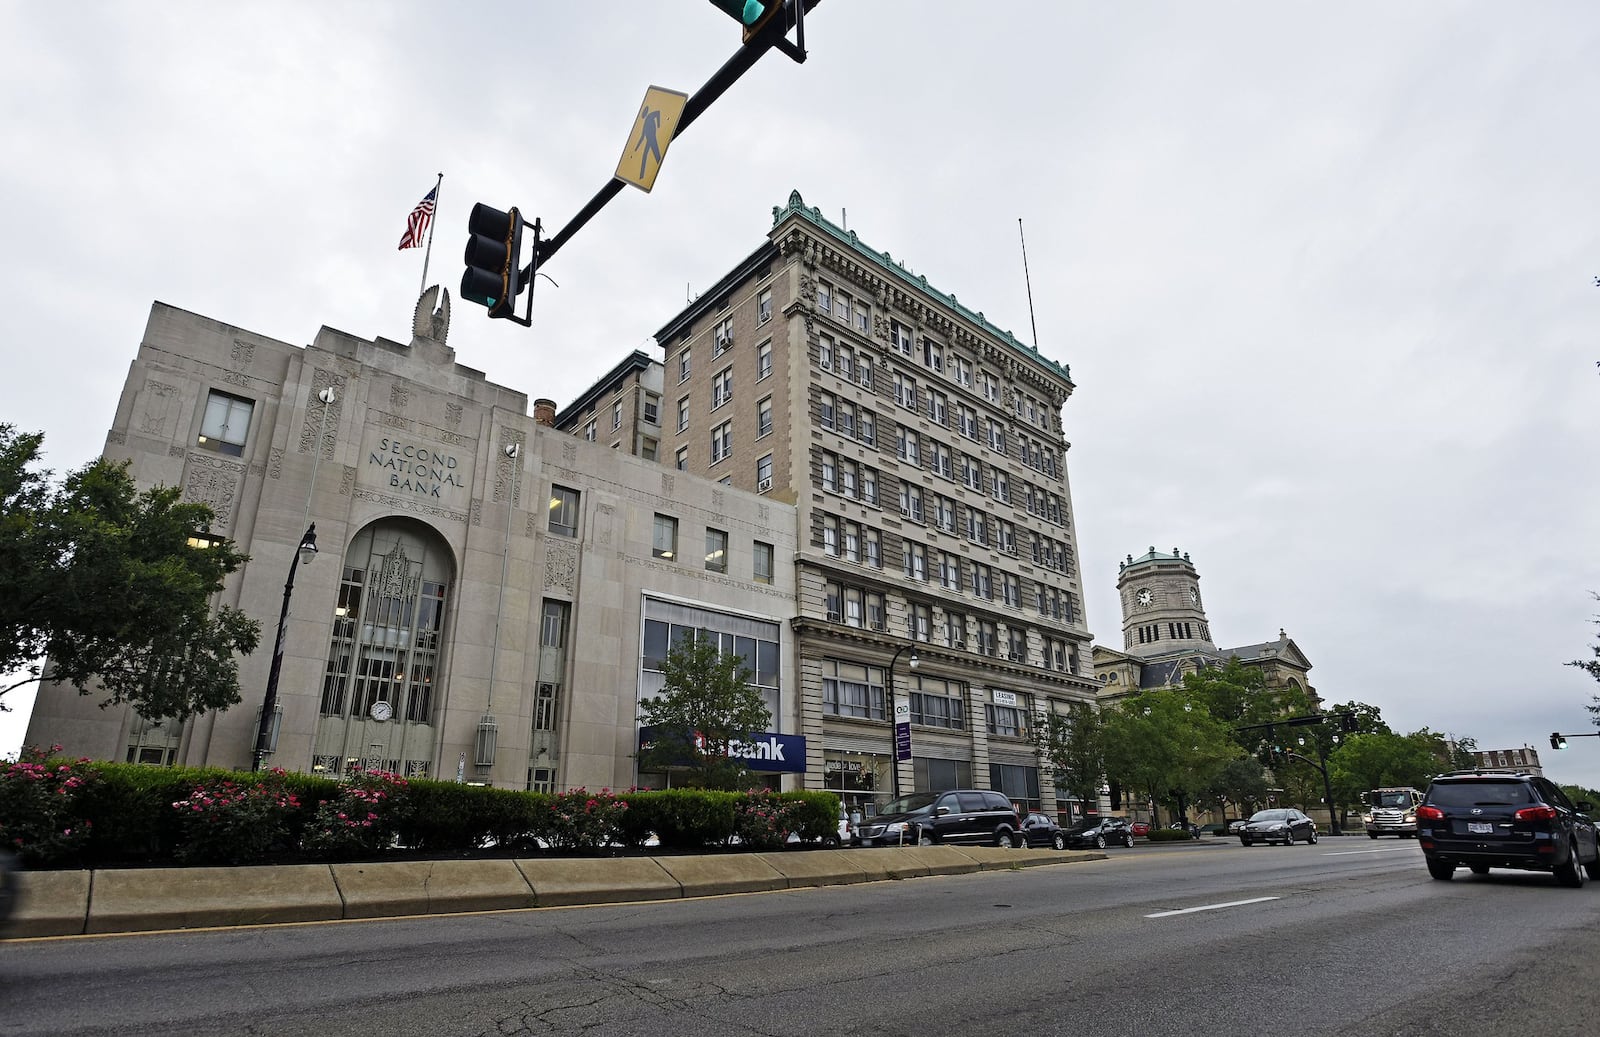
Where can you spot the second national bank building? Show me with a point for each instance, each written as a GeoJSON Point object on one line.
{"type": "Point", "coordinates": [427, 484]}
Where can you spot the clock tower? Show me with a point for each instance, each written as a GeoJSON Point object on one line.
{"type": "Point", "coordinates": [1161, 608]}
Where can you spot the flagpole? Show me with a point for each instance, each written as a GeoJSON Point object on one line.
{"type": "Point", "coordinates": [438, 189]}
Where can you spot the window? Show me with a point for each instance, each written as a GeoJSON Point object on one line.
{"type": "Point", "coordinates": [983, 581]}
{"type": "Point", "coordinates": [763, 360]}
{"type": "Point", "coordinates": [1002, 487]}
{"type": "Point", "coordinates": [1005, 536]}
{"type": "Point", "coordinates": [932, 355]}
{"type": "Point", "coordinates": [938, 407]}
{"type": "Point", "coordinates": [997, 436]}
{"type": "Point", "coordinates": [1019, 644]}
{"type": "Point", "coordinates": [762, 563]}
{"type": "Point", "coordinates": [226, 423]}
{"type": "Point", "coordinates": [1008, 721]}
{"type": "Point", "coordinates": [905, 391]}
{"type": "Point", "coordinates": [986, 637]}
{"type": "Point", "coordinates": [847, 419]}
{"type": "Point", "coordinates": [764, 306]}
{"type": "Point", "coordinates": [944, 513]}
{"type": "Point", "coordinates": [909, 446]}
{"type": "Point", "coordinates": [682, 459]}
{"type": "Point", "coordinates": [841, 307]}
{"type": "Point", "coordinates": [716, 551]}
{"type": "Point", "coordinates": [864, 372]}
{"type": "Point", "coordinates": [723, 337]}
{"type": "Point", "coordinates": [955, 630]}
{"type": "Point", "coordinates": [721, 387]}
{"type": "Point", "coordinates": [874, 555]}
{"type": "Point", "coordinates": [589, 431]}
{"type": "Point", "coordinates": [919, 622]}
{"type": "Point", "coordinates": [830, 472]}
{"type": "Point", "coordinates": [942, 461]}
{"type": "Point", "coordinates": [826, 403]}
{"type": "Point", "coordinates": [854, 606]}
{"type": "Point", "coordinates": [852, 542]}
{"type": "Point", "coordinates": [563, 511]}
{"type": "Point", "coordinates": [911, 501]}
{"type": "Point", "coordinates": [1017, 783]}
{"type": "Point", "coordinates": [824, 297]}
{"type": "Point", "coordinates": [991, 387]}
{"type": "Point", "coordinates": [683, 414]}
{"type": "Point", "coordinates": [830, 536]}
{"type": "Point", "coordinates": [683, 366]}
{"type": "Point", "coordinates": [914, 559]}
{"type": "Point", "coordinates": [977, 527]}
{"type": "Point", "coordinates": [721, 441]}
{"type": "Point", "coordinates": [971, 473]}
{"type": "Point", "coordinates": [652, 409]}
{"type": "Point", "coordinates": [900, 337]}
{"type": "Point", "coordinates": [937, 703]}
{"type": "Point", "coordinates": [1012, 590]}
{"type": "Point", "coordinates": [949, 571]}
{"type": "Point", "coordinates": [967, 422]}
{"type": "Point", "coordinates": [647, 448]}
{"type": "Point", "coordinates": [961, 369]}
{"type": "Point", "coordinates": [616, 415]}
{"type": "Point", "coordinates": [867, 428]}
{"type": "Point", "coordinates": [665, 542]}
{"type": "Point", "coordinates": [764, 473]}
{"type": "Point", "coordinates": [825, 353]}
{"type": "Point", "coordinates": [846, 364]}
{"type": "Point", "coordinates": [863, 317]}
{"type": "Point", "coordinates": [852, 690]}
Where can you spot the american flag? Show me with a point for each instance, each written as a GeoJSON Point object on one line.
{"type": "Point", "coordinates": [417, 222]}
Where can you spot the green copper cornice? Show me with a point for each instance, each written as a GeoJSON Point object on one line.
{"type": "Point", "coordinates": [885, 262]}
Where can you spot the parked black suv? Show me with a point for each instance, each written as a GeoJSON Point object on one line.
{"type": "Point", "coordinates": [1482, 820]}
{"type": "Point", "coordinates": [958, 816]}
{"type": "Point", "coordinates": [1097, 831]}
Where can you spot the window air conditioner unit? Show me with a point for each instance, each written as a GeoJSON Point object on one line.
{"type": "Point", "coordinates": [764, 485]}
{"type": "Point", "coordinates": [834, 617]}
{"type": "Point", "coordinates": [960, 646]}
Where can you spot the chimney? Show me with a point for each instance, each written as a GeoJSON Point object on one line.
{"type": "Point", "coordinates": [544, 413]}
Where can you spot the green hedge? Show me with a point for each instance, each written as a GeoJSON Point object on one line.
{"type": "Point", "coordinates": [1169, 835]}
{"type": "Point", "coordinates": [129, 808]}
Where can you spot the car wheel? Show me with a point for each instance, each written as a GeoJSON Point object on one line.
{"type": "Point", "coordinates": [1312, 838]}
{"type": "Point", "coordinates": [1478, 869]}
{"type": "Point", "coordinates": [1127, 841]}
{"type": "Point", "coordinates": [1570, 874]}
{"type": "Point", "coordinates": [1244, 840]}
{"type": "Point", "coordinates": [1593, 867]}
{"type": "Point", "coordinates": [1442, 872]}
{"type": "Point", "coordinates": [1059, 841]}
{"type": "Point", "coordinates": [1373, 836]}
{"type": "Point", "coordinates": [1099, 842]}
{"type": "Point", "coordinates": [1288, 838]}
{"type": "Point", "coordinates": [1005, 840]}
{"type": "Point", "coordinates": [925, 839]}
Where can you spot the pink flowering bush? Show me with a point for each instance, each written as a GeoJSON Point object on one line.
{"type": "Point", "coordinates": [360, 821]}
{"type": "Point", "coordinates": [585, 821]}
{"type": "Point", "coordinates": [763, 820]}
{"type": "Point", "coordinates": [234, 822]}
{"type": "Point", "coordinates": [39, 816]}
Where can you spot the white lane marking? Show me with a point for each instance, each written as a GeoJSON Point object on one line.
{"type": "Point", "coordinates": [1352, 853]}
{"type": "Point", "coordinates": [1210, 907]}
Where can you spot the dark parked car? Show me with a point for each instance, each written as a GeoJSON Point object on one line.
{"type": "Point", "coordinates": [1186, 826]}
{"type": "Point", "coordinates": [1040, 830]}
{"type": "Point", "coordinates": [1482, 821]}
{"type": "Point", "coordinates": [1098, 831]}
{"type": "Point", "coordinates": [958, 816]}
{"type": "Point", "coordinates": [1279, 825]}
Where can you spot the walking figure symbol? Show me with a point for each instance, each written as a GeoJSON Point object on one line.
{"type": "Point", "coordinates": [647, 138]}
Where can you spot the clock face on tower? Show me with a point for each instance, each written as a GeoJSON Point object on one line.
{"type": "Point", "coordinates": [1194, 595]}
{"type": "Point", "coordinates": [1145, 598]}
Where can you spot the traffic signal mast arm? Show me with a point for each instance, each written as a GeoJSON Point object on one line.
{"type": "Point", "coordinates": [703, 98]}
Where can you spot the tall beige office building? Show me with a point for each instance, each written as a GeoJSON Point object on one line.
{"type": "Point", "coordinates": [937, 566]}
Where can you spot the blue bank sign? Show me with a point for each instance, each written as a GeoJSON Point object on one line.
{"type": "Point", "coordinates": [762, 751]}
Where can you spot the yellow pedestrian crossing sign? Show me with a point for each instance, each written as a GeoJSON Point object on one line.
{"type": "Point", "coordinates": [652, 132]}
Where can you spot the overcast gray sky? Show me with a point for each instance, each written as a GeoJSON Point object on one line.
{"type": "Point", "coordinates": [1324, 274]}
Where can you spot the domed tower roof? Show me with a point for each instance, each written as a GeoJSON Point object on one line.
{"type": "Point", "coordinates": [1161, 608]}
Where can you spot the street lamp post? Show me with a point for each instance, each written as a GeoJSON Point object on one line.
{"type": "Point", "coordinates": [894, 711]}
{"type": "Point", "coordinates": [269, 705]}
{"type": "Point", "coordinates": [1327, 785]}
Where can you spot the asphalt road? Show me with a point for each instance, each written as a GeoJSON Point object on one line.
{"type": "Point", "coordinates": [1347, 937]}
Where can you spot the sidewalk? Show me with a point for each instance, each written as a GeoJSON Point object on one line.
{"type": "Point", "coordinates": [70, 903]}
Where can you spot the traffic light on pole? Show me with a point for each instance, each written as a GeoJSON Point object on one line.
{"type": "Point", "coordinates": [754, 15]}
{"type": "Point", "coordinates": [1556, 741]}
{"type": "Point", "coordinates": [494, 243]}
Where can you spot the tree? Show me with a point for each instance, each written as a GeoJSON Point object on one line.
{"type": "Point", "coordinates": [1072, 747]}
{"type": "Point", "coordinates": [706, 704]}
{"type": "Point", "coordinates": [100, 585]}
{"type": "Point", "coordinates": [1240, 782]}
{"type": "Point", "coordinates": [1370, 761]}
{"type": "Point", "coordinates": [1160, 742]}
{"type": "Point", "coordinates": [1592, 668]}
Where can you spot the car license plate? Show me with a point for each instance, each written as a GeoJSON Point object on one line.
{"type": "Point", "coordinates": [1480, 828]}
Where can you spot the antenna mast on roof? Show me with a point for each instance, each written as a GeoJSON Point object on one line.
{"type": "Point", "coordinates": [1029, 283]}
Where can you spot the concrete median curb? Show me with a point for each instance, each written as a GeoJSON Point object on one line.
{"type": "Point", "coordinates": [71, 903]}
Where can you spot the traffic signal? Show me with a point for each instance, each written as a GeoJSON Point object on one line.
{"type": "Point", "coordinates": [494, 245]}
{"type": "Point", "coordinates": [754, 15]}
{"type": "Point", "coordinates": [1347, 723]}
{"type": "Point", "coordinates": [1557, 741]}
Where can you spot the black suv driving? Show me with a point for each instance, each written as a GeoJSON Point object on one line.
{"type": "Point", "coordinates": [1483, 820]}
{"type": "Point", "coordinates": [958, 816]}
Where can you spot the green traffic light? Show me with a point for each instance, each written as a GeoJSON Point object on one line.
{"type": "Point", "coordinates": [747, 11]}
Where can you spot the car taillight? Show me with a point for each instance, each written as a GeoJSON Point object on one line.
{"type": "Point", "coordinates": [1430, 814]}
{"type": "Point", "coordinates": [1542, 812]}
